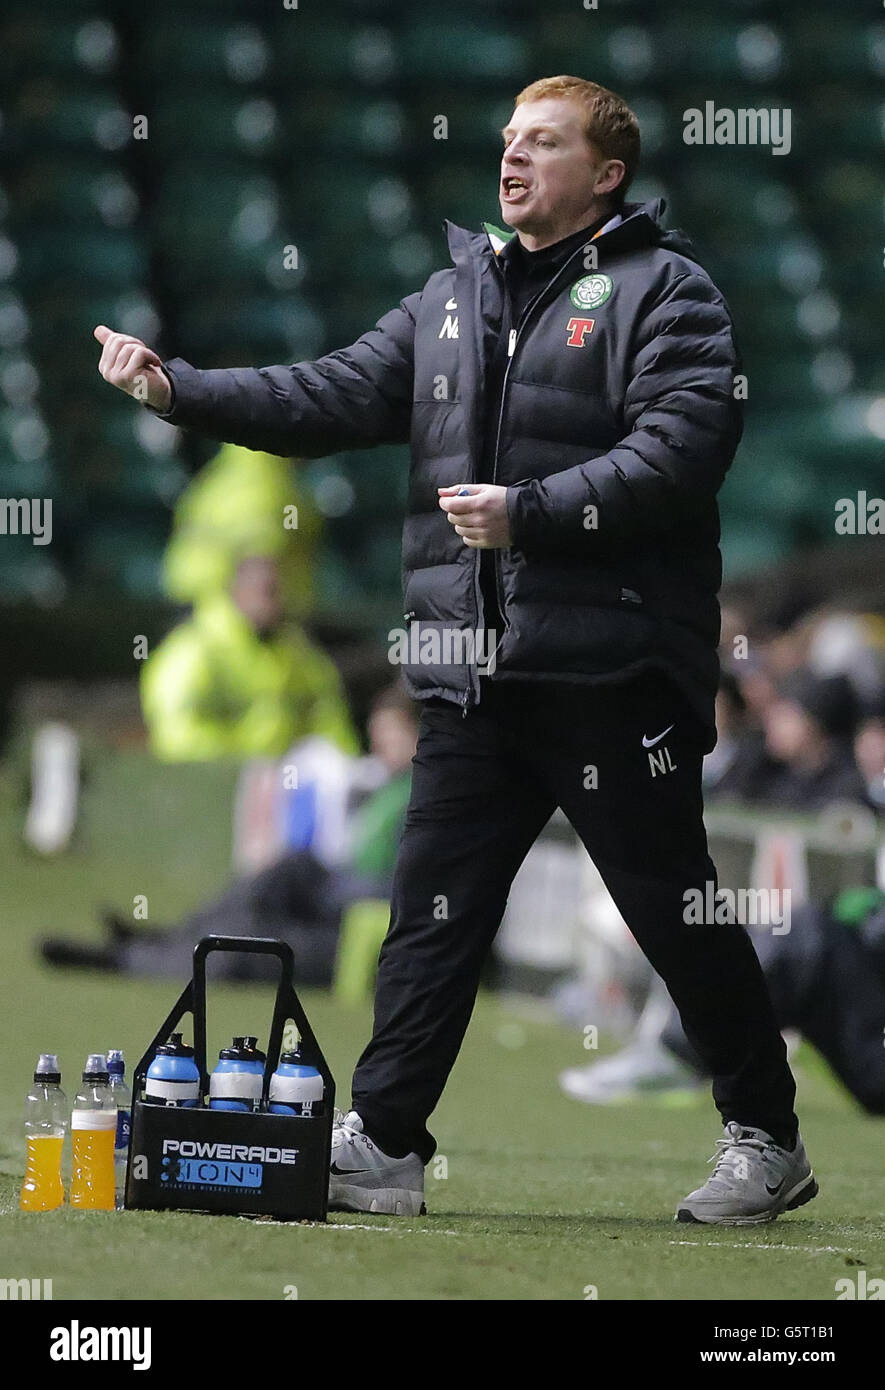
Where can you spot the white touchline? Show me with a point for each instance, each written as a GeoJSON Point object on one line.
{"type": "Point", "coordinates": [751, 1245]}
{"type": "Point", "coordinates": [357, 1226]}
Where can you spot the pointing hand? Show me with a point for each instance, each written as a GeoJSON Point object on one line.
{"type": "Point", "coordinates": [127, 363]}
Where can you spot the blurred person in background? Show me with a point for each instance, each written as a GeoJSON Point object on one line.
{"type": "Point", "coordinates": [850, 642]}
{"type": "Point", "coordinates": [237, 680]}
{"type": "Point", "coordinates": [808, 730]}
{"type": "Point", "coordinates": [243, 502]}
{"type": "Point", "coordinates": [298, 899]}
{"type": "Point", "coordinates": [869, 749]}
{"type": "Point", "coordinates": [826, 977]}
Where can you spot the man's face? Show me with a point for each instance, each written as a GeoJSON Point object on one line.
{"type": "Point", "coordinates": [790, 733]}
{"type": "Point", "coordinates": [392, 737]}
{"type": "Point", "coordinates": [869, 750]}
{"type": "Point", "coordinates": [256, 592]}
{"type": "Point", "coordinates": [564, 180]}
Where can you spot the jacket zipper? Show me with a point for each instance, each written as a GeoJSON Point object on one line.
{"type": "Point", "coordinates": [479, 606]}
{"type": "Point", "coordinates": [515, 335]}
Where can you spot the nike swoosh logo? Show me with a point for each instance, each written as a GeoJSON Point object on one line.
{"type": "Point", "coordinates": [450, 304]}
{"type": "Point", "coordinates": [650, 742]}
{"type": "Point", "coordinates": [773, 1191]}
{"type": "Point", "coordinates": [347, 1172]}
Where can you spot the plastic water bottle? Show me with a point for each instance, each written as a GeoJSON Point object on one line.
{"type": "Point", "coordinates": [173, 1077]}
{"type": "Point", "coordinates": [46, 1119]}
{"type": "Point", "coordinates": [123, 1097]}
{"type": "Point", "coordinates": [236, 1082]}
{"type": "Point", "coordinates": [94, 1130]}
{"type": "Point", "coordinates": [295, 1088]}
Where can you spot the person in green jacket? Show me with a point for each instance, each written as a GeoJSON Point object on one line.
{"type": "Point", "coordinates": [235, 680]}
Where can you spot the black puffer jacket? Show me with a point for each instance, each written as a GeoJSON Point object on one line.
{"type": "Point", "coordinates": [618, 424]}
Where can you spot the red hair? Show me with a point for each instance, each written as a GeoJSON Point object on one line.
{"type": "Point", "coordinates": [609, 124]}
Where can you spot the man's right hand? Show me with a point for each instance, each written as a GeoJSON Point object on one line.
{"type": "Point", "coordinates": [127, 363]}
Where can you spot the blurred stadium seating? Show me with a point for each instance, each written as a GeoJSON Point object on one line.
{"type": "Point", "coordinates": [312, 128]}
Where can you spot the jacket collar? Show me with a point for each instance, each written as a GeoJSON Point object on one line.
{"type": "Point", "coordinates": [640, 225]}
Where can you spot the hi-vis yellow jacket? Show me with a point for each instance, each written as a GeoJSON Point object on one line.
{"type": "Point", "coordinates": [215, 689]}
{"type": "Point", "coordinates": [243, 503]}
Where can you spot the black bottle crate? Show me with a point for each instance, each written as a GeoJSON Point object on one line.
{"type": "Point", "coordinates": [225, 1161]}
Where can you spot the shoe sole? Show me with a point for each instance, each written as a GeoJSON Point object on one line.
{"type": "Point", "coordinates": [797, 1197]}
{"type": "Point", "coordinates": [381, 1201]}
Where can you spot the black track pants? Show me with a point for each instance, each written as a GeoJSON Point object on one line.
{"type": "Point", "coordinates": [624, 763]}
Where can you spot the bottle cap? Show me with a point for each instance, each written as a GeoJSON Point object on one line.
{"type": "Point", "coordinates": [116, 1063]}
{"type": "Point", "coordinates": [174, 1047]}
{"type": "Point", "coordinates": [47, 1069]}
{"type": "Point", "coordinates": [243, 1050]}
{"type": "Point", "coordinates": [96, 1068]}
{"type": "Point", "coordinates": [292, 1057]}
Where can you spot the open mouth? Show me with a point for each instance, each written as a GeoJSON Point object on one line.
{"type": "Point", "coordinates": [513, 188]}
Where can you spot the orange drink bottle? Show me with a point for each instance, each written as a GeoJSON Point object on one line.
{"type": "Point", "coordinates": [93, 1131]}
{"type": "Point", "coordinates": [46, 1118]}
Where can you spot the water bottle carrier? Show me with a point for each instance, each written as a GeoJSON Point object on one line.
{"type": "Point", "coordinates": [223, 1161]}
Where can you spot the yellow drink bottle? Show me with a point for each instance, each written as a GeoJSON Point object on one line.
{"type": "Point", "coordinates": [46, 1119]}
{"type": "Point", "coordinates": [93, 1131]}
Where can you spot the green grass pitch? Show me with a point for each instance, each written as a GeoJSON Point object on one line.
{"type": "Point", "coordinates": [542, 1198]}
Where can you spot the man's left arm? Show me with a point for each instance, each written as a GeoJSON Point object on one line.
{"type": "Point", "coordinates": [684, 426]}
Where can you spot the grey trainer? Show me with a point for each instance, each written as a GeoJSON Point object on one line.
{"type": "Point", "coordinates": [754, 1180]}
{"type": "Point", "coordinates": [363, 1178]}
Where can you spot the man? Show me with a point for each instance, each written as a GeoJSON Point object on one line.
{"type": "Point", "coordinates": [236, 681]}
{"type": "Point", "coordinates": [568, 393]}
{"type": "Point", "coordinates": [808, 727]}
